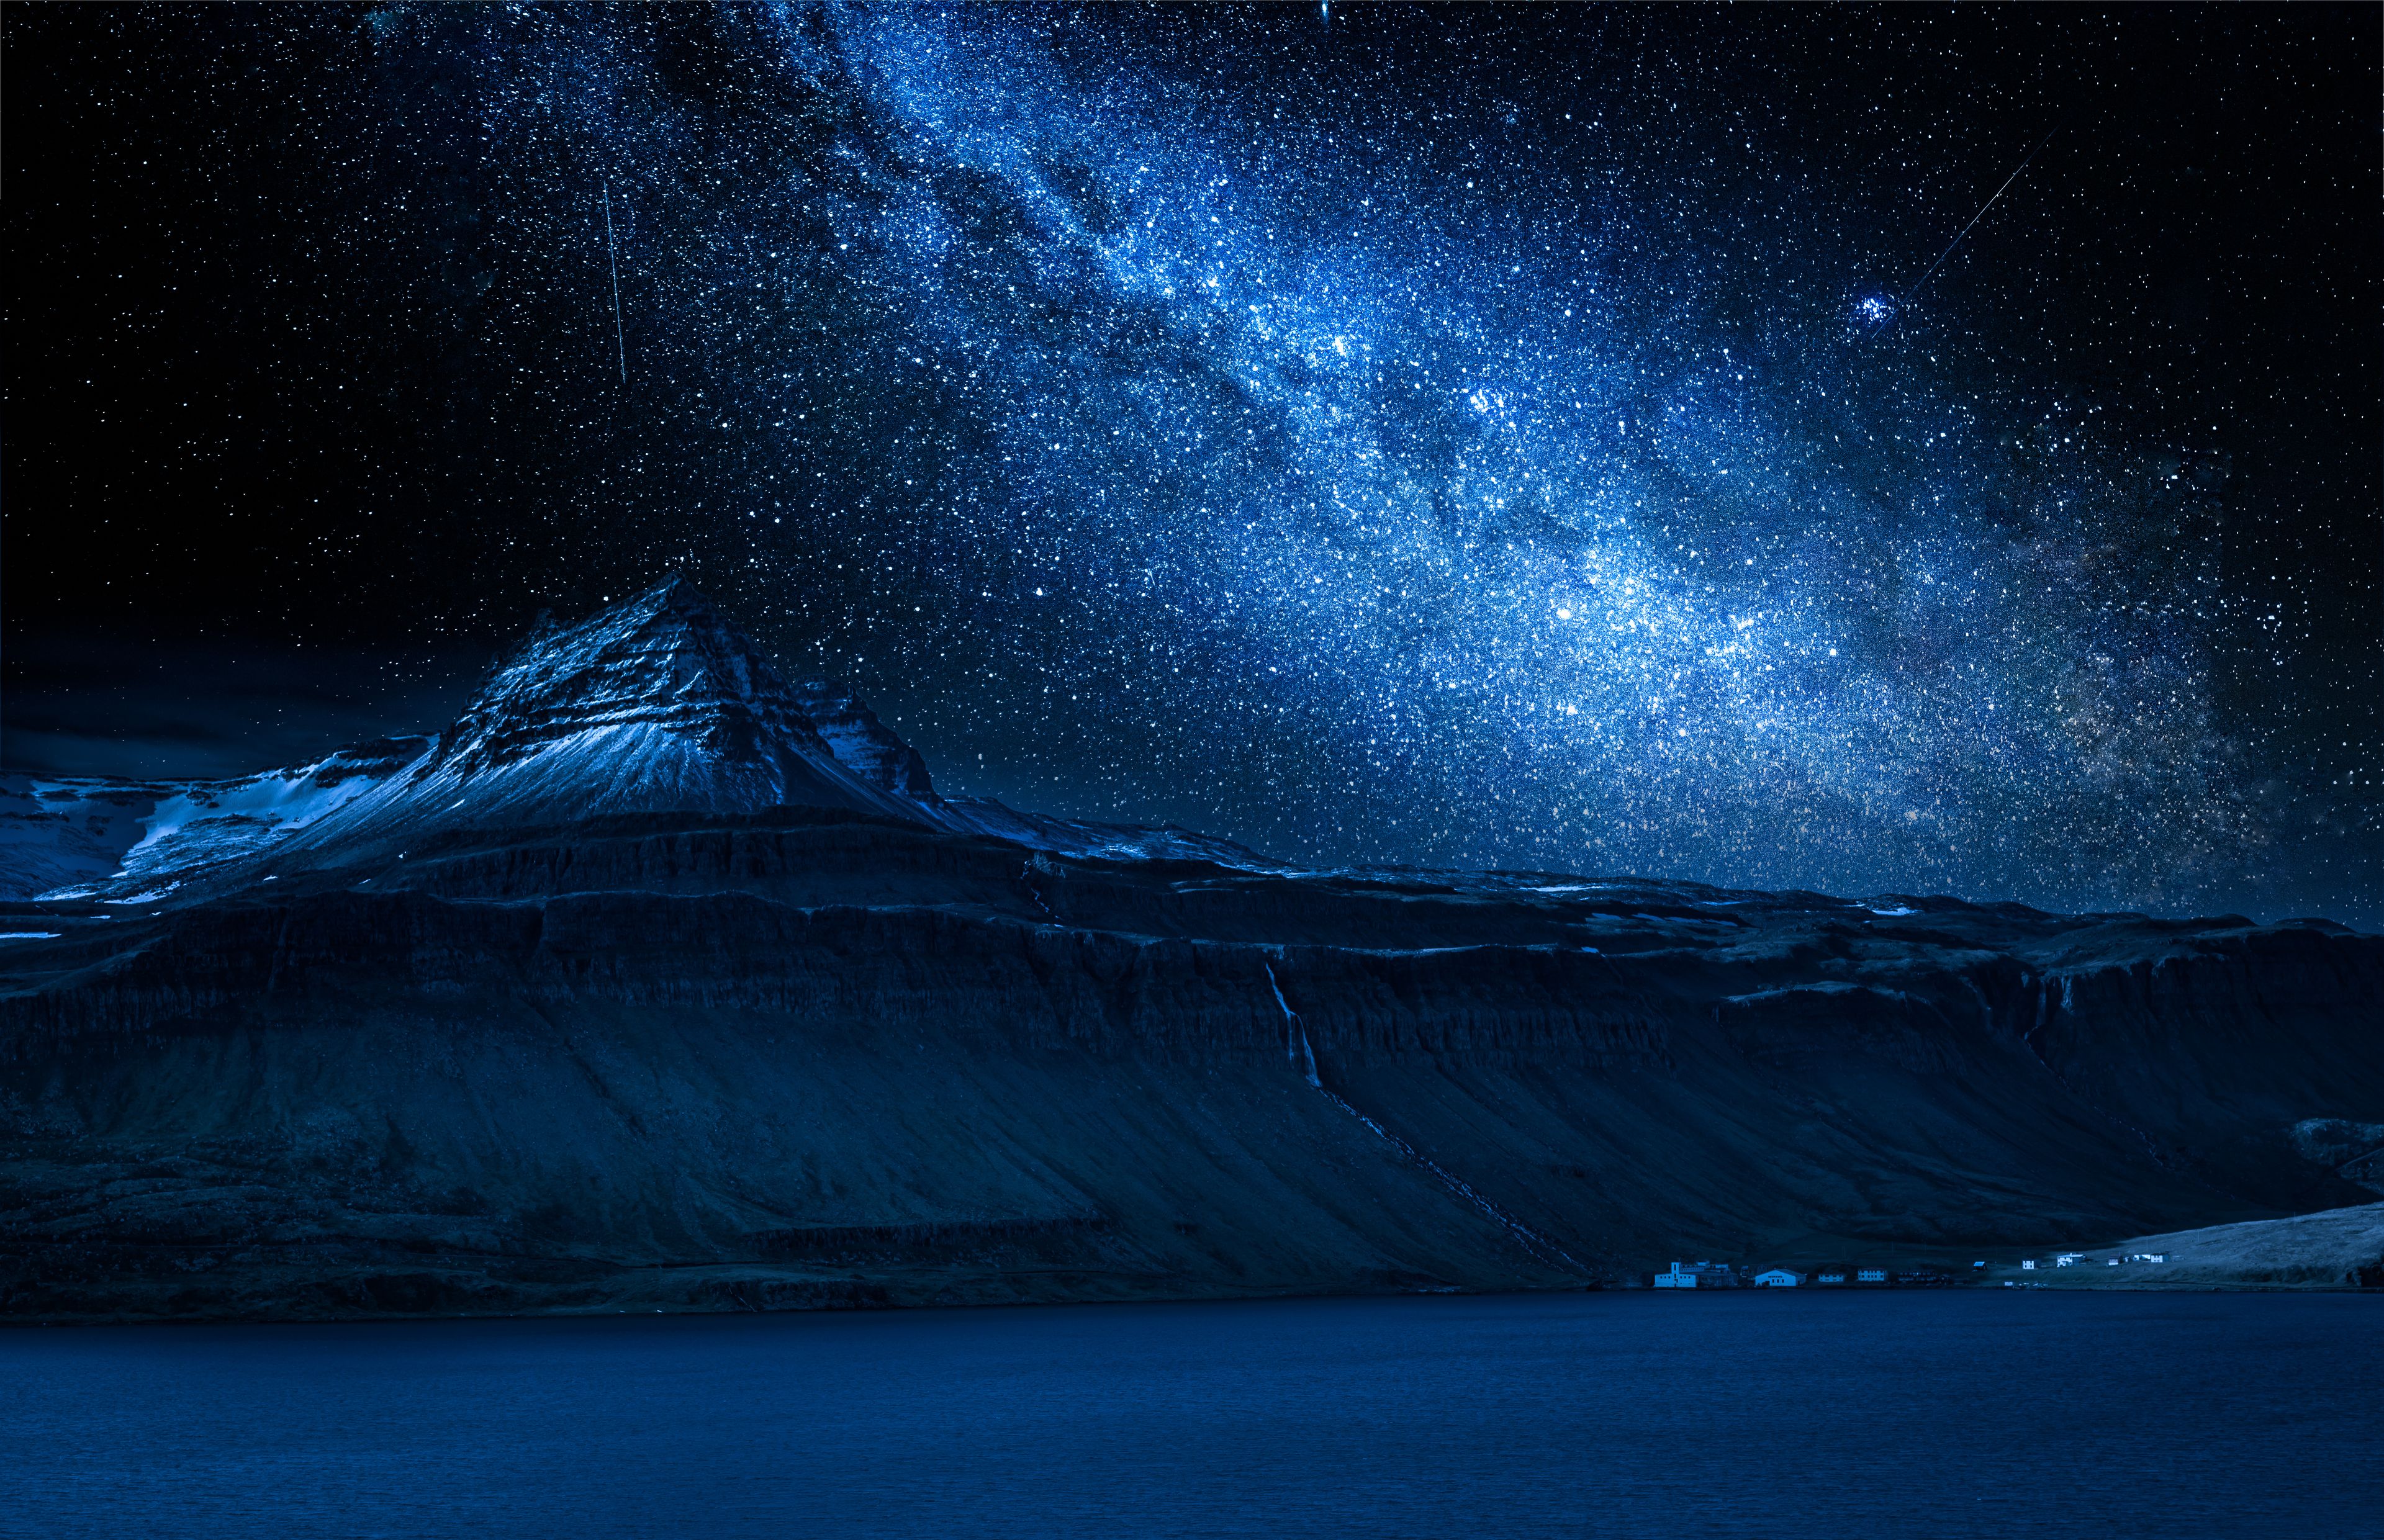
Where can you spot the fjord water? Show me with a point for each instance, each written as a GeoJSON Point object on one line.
{"type": "Point", "coordinates": [1753, 1414]}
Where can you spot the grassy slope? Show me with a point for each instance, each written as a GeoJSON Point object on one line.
{"type": "Point", "coordinates": [2327, 1249]}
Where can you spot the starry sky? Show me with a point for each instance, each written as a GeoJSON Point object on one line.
{"type": "Point", "coordinates": [1471, 436]}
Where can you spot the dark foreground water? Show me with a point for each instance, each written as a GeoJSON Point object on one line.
{"type": "Point", "coordinates": [1634, 1414]}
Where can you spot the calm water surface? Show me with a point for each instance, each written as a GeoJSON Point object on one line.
{"type": "Point", "coordinates": [1633, 1414]}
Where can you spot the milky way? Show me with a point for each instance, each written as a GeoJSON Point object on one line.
{"type": "Point", "coordinates": [1445, 438]}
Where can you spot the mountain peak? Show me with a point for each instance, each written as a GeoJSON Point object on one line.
{"type": "Point", "coordinates": [656, 704]}
{"type": "Point", "coordinates": [677, 592]}
{"type": "Point", "coordinates": [665, 657]}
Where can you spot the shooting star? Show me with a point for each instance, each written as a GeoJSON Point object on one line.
{"type": "Point", "coordinates": [620, 338]}
{"type": "Point", "coordinates": [1879, 310]}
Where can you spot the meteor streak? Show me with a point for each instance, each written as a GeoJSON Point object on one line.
{"type": "Point", "coordinates": [620, 339]}
{"type": "Point", "coordinates": [1913, 292]}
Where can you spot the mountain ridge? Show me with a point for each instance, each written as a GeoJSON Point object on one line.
{"type": "Point", "coordinates": [313, 1049]}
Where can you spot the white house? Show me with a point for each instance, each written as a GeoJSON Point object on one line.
{"type": "Point", "coordinates": [2029, 1266]}
{"type": "Point", "coordinates": [1677, 1278]}
{"type": "Point", "coordinates": [1779, 1277]}
{"type": "Point", "coordinates": [1870, 1275]}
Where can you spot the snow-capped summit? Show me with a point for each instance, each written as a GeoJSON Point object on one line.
{"type": "Point", "coordinates": [656, 704]}
{"type": "Point", "coordinates": [663, 660]}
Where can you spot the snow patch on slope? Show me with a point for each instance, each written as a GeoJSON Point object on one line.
{"type": "Point", "coordinates": [67, 837]}
{"type": "Point", "coordinates": [1089, 840]}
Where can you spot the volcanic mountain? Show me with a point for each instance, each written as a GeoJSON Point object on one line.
{"type": "Point", "coordinates": [655, 981]}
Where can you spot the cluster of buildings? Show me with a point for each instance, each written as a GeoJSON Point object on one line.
{"type": "Point", "coordinates": [1722, 1275]}
{"type": "Point", "coordinates": [2075, 1258]}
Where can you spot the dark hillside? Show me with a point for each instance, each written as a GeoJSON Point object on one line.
{"type": "Point", "coordinates": [801, 1057]}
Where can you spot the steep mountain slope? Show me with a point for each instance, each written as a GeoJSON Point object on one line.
{"type": "Point", "coordinates": [862, 744]}
{"type": "Point", "coordinates": [613, 1037]}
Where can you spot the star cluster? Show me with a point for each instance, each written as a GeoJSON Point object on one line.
{"type": "Point", "coordinates": [1445, 437]}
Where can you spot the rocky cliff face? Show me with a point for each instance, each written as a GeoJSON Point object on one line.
{"type": "Point", "coordinates": [862, 744]}
{"type": "Point", "coordinates": [631, 1052]}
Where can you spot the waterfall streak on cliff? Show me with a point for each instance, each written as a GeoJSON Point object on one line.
{"type": "Point", "coordinates": [1026, 877]}
{"type": "Point", "coordinates": [1531, 1240]}
{"type": "Point", "coordinates": [1293, 1029]}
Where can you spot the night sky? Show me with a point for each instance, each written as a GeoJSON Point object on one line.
{"type": "Point", "coordinates": [1478, 436]}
